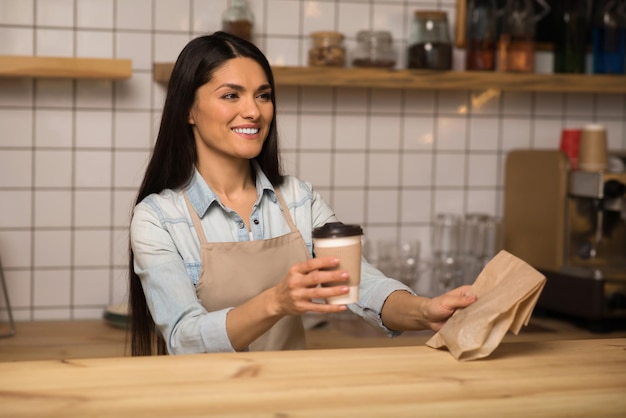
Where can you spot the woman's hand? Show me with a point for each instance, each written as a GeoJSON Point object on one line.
{"type": "Point", "coordinates": [295, 294]}
{"type": "Point", "coordinates": [440, 308]}
{"type": "Point", "coordinates": [403, 311]}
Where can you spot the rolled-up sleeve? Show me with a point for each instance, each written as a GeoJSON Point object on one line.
{"type": "Point", "coordinates": [374, 290]}
{"type": "Point", "coordinates": [170, 293]}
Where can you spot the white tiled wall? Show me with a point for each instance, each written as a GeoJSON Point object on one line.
{"type": "Point", "coordinates": [72, 153]}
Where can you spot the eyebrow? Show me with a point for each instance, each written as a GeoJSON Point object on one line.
{"type": "Point", "coordinates": [237, 87]}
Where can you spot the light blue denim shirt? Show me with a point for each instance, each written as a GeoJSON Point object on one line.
{"type": "Point", "coordinates": [167, 255]}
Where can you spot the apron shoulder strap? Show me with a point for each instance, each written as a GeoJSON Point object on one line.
{"type": "Point", "coordinates": [283, 205]}
{"type": "Point", "coordinates": [196, 220]}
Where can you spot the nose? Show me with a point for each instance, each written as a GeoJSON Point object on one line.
{"type": "Point", "coordinates": [250, 108]}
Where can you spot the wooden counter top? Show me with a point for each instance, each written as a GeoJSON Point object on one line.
{"type": "Point", "coordinates": [530, 378]}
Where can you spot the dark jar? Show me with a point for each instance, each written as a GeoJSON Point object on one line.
{"type": "Point", "coordinates": [481, 35]}
{"type": "Point", "coordinates": [374, 49]}
{"type": "Point", "coordinates": [429, 44]}
{"type": "Point", "coordinates": [238, 20]}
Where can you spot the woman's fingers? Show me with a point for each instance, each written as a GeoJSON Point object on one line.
{"type": "Point", "coordinates": [462, 296]}
{"type": "Point", "coordinates": [313, 264]}
{"type": "Point", "coordinates": [324, 308]}
{"type": "Point", "coordinates": [320, 271]}
{"type": "Point", "coordinates": [310, 280]}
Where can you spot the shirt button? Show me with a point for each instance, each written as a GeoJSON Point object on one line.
{"type": "Point", "coordinates": [241, 225]}
{"type": "Point", "coordinates": [256, 221]}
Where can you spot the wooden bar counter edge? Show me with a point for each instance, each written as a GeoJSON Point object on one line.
{"type": "Point", "coordinates": [50, 340]}
{"type": "Point", "coordinates": [525, 378]}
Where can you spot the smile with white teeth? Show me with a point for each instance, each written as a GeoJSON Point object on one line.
{"type": "Point", "coordinates": [246, 131]}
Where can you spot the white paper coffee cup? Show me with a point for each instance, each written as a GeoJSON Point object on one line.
{"type": "Point", "coordinates": [344, 242]}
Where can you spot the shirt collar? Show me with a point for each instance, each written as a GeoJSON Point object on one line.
{"type": "Point", "coordinates": [202, 196]}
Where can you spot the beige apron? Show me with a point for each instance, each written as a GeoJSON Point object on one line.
{"type": "Point", "coordinates": [233, 272]}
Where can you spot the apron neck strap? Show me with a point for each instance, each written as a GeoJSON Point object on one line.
{"type": "Point", "coordinates": [195, 219]}
{"type": "Point", "coordinates": [283, 205]}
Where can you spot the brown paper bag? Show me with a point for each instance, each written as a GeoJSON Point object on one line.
{"type": "Point", "coordinates": [507, 290]}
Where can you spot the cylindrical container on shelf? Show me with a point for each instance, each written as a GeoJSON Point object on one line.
{"type": "Point", "coordinates": [609, 38]}
{"type": "Point", "coordinates": [592, 154]}
{"type": "Point", "coordinates": [374, 49]}
{"type": "Point", "coordinates": [516, 44]}
{"type": "Point", "coordinates": [238, 20]}
{"type": "Point", "coordinates": [430, 46]}
{"type": "Point", "coordinates": [570, 36]}
{"type": "Point", "coordinates": [481, 35]}
{"type": "Point", "coordinates": [327, 49]}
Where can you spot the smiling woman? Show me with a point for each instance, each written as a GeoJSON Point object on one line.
{"type": "Point", "coordinates": [221, 240]}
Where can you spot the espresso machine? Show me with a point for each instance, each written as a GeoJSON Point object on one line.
{"type": "Point", "coordinates": [571, 226]}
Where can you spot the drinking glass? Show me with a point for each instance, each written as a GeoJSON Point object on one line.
{"type": "Point", "coordinates": [407, 262]}
{"type": "Point", "coordinates": [493, 238]}
{"type": "Point", "coordinates": [398, 259]}
{"type": "Point", "coordinates": [445, 238]}
{"type": "Point", "coordinates": [446, 266]}
{"type": "Point", "coordinates": [386, 250]}
{"type": "Point", "coordinates": [472, 235]}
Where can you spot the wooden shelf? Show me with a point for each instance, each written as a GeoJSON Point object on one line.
{"type": "Point", "coordinates": [433, 80]}
{"type": "Point", "coordinates": [59, 67]}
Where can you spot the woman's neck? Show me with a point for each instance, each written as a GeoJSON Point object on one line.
{"type": "Point", "coordinates": [234, 186]}
{"type": "Point", "coordinates": [230, 181]}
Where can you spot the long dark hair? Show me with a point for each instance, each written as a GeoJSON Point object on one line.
{"type": "Point", "coordinates": [174, 156]}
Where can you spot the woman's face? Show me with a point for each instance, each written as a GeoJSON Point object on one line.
{"type": "Point", "coordinates": [232, 113]}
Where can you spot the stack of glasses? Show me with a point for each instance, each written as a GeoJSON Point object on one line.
{"type": "Point", "coordinates": [461, 247]}
{"type": "Point", "coordinates": [397, 259]}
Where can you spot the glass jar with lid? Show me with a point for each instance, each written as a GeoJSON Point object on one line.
{"type": "Point", "coordinates": [327, 49]}
{"type": "Point", "coordinates": [430, 46]}
{"type": "Point", "coordinates": [374, 49]}
{"type": "Point", "coordinates": [238, 19]}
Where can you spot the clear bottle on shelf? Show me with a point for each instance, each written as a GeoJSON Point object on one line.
{"type": "Point", "coordinates": [481, 35]}
{"type": "Point", "coordinates": [238, 19]}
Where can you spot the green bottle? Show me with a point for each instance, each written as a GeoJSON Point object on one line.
{"type": "Point", "coordinates": [571, 34]}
